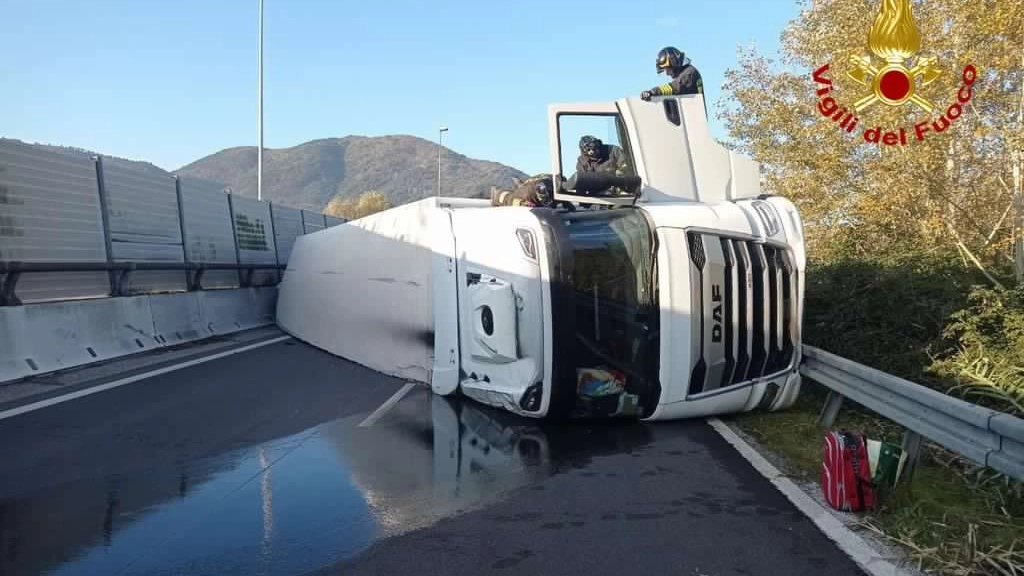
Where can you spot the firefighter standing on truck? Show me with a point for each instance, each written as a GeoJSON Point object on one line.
{"type": "Point", "coordinates": [685, 79]}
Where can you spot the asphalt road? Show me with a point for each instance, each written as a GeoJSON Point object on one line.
{"type": "Point", "coordinates": [256, 463]}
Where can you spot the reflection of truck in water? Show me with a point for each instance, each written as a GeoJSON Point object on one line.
{"type": "Point", "coordinates": [684, 300]}
{"type": "Point", "coordinates": [433, 455]}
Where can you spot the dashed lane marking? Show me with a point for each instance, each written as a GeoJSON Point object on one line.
{"type": "Point", "coordinates": [388, 405]}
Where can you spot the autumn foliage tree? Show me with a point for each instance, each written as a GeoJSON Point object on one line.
{"type": "Point", "coordinates": [351, 208]}
{"type": "Point", "coordinates": [957, 191]}
{"type": "Point", "coordinates": [916, 251]}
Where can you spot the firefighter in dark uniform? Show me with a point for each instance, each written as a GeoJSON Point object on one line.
{"type": "Point", "coordinates": [685, 79]}
{"type": "Point", "coordinates": [596, 156]}
{"type": "Point", "coordinates": [535, 191]}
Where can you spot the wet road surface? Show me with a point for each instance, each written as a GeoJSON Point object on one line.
{"type": "Point", "coordinates": [257, 464]}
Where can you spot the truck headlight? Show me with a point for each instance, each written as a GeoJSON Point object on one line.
{"type": "Point", "coordinates": [769, 217]}
{"type": "Point", "coordinates": [532, 397]}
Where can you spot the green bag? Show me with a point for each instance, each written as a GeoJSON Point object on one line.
{"type": "Point", "coordinates": [886, 461]}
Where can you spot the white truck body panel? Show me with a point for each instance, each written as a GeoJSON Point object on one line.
{"type": "Point", "coordinates": [362, 290]}
{"type": "Point", "coordinates": [398, 311]}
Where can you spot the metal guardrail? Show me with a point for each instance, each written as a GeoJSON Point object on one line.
{"type": "Point", "coordinates": [987, 437]}
{"type": "Point", "coordinates": [11, 272]}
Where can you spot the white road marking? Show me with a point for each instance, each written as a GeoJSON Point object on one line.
{"type": "Point", "coordinates": [847, 540]}
{"type": "Point", "coordinates": [388, 405]}
{"type": "Point", "coordinates": [116, 383]}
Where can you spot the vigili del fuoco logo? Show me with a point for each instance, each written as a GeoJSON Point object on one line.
{"type": "Point", "coordinates": [894, 40]}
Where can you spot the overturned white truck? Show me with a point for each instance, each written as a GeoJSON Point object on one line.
{"type": "Point", "coordinates": [684, 299]}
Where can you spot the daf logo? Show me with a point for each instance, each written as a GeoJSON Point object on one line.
{"type": "Point", "coordinates": [716, 313]}
{"type": "Point", "coordinates": [768, 217]}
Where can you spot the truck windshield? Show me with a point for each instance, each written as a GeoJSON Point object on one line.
{"type": "Point", "coordinates": [616, 343]}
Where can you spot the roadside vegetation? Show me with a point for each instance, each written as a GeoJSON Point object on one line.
{"type": "Point", "coordinates": [916, 251]}
{"type": "Point", "coordinates": [353, 208]}
{"type": "Point", "coordinates": [929, 322]}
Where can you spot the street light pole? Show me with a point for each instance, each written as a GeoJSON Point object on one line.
{"type": "Point", "coordinates": [440, 135]}
{"type": "Point", "coordinates": [259, 121]}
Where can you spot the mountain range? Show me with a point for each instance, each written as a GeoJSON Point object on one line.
{"type": "Point", "coordinates": [404, 168]}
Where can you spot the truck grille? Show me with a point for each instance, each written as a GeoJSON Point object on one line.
{"type": "Point", "coordinates": [745, 299]}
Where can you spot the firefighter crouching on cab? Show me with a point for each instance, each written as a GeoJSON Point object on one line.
{"type": "Point", "coordinates": [535, 191]}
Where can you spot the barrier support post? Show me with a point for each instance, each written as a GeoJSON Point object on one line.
{"type": "Point", "coordinates": [8, 297]}
{"type": "Point", "coordinates": [830, 411]}
{"type": "Point", "coordinates": [273, 234]}
{"type": "Point", "coordinates": [190, 282]}
{"type": "Point", "coordinates": [105, 218]}
{"type": "Point", "coordinates": [234, 234]}
{"type": "Point", "coordinates": [912, 448]}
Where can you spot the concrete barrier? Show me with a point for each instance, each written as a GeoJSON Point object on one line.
{"type": "Point", "coordinates": [224, 312]}
{"type": "Point", "coordinates": [178, 318]}
{"type": "Point", "coordinates": [39, 338]}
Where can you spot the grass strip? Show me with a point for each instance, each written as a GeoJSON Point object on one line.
{"type": "Point", "coordinates": [954, 518]}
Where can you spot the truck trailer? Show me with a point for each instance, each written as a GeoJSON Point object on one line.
{"type": "Point", "coordinates": [682, 297]}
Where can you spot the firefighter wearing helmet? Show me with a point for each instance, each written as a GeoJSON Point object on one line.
{"type": "Point", "coordinates": [535, 191]}
{"type": "Point", "coordinates": [685, 79]}
{"type": "Point", "coordinates": [596, 156]}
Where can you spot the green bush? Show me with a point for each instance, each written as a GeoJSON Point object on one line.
{"type": "Point", "coordinates": [889, 313]}
{"type": "Point", "coordinates": [994, 321]}
{"type": "Point", "coordinates": [920, 315]}
{"type": "Point", "coordinates": [988, 365]}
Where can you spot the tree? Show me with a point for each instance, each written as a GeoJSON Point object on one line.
{"type": "Point", "coordinates": [353, 208]}
{"type": "Point", "coordinates": [953, 191]}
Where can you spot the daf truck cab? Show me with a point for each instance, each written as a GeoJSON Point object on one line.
{"type": "Point", "coordinates": [682, 298]}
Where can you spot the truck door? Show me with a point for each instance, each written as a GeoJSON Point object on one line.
{"type": "Point", "coordinates": [568, 125]}
{"type": "Point", "coordinates": [678, 158]}
{"type": "Point", "coordinates": [500, 309]}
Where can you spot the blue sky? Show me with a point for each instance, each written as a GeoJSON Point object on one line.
{"type": "Point", "coordinates": [172, 81]}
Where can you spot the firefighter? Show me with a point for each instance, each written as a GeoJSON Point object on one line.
{"type": "Point", "coordinates": [684, 77]}
{"type": "Point", "coordinates": [535, 191]}
{"type": "Point", "coordinates": [596, 156]}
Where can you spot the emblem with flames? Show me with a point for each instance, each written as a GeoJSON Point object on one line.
{"type": "Point", "coordinates": [894, 72]}
{"type": "Point", "coordinates": [894, 38]}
